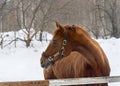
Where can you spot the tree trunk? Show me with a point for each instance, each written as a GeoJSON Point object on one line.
{"type": "Point", "coordinates": [40, 37]}
{"type": "Point", "coordinates": [28, 41]}
{"type": "Point", "coordinates": [115, 32]}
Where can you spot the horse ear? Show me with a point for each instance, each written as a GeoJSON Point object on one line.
{"type": "Point", "coordinates": [73, 28]}
{"type": "Point", "coordinates": [60, 27]}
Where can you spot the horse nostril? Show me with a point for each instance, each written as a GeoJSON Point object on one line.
{"type": "Point", "coordinates": [42, 64]}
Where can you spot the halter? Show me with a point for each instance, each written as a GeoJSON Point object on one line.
{"type": "Point", "coordinates": [60, 52]}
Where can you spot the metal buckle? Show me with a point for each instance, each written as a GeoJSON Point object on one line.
{"type": "Point", "coordinates": [64, 42]}
{"type": "Point", "coordinates": [50, 59]}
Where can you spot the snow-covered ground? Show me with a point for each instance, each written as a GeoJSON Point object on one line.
{"type": "Point", "coordinates": [21, 64]}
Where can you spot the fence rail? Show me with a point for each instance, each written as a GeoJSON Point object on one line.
{"type": "Point", "coordinates": [59, 82]}
{"type": "Point", "coordinates": [81, 81]}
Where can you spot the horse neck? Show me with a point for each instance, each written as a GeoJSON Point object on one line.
{"type": "Point", "coordinates": [91, 45]}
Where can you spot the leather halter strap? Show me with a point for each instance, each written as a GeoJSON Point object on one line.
{"type": "Point", "coordinates": [51, 58]}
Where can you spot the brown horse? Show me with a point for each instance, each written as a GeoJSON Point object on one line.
{"type": "Point", "coordinates": [72, 53]}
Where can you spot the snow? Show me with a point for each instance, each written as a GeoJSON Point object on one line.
{"type": "Point", "coordinates": [21, 64]}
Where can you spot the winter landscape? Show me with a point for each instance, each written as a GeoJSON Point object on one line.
{"type": "Point", "coordinates": [20, 63]}
{"type": "Point", "coordinates": [21, 20]}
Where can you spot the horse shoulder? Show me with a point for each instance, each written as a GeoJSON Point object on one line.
{"type": "Point", "coordinates": [69, 66]}
{"type": "Point", "coordinates": [48, 73]}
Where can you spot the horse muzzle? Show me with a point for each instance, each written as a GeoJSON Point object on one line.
{"type": "Point", "coordinates": [44, 65]}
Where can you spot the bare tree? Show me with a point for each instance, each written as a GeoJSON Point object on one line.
{"type": "Point", "coordinates": [25, 21]}
{"type": "Point", "coordinates": [2, 5]}
{"type": "Point", "coordinates": [109, 19]}
{"type": "Point", "coordinates": [50, 12]}
{"type": "Point", "coordinates": [37, 14]}
{"type": "Point", "coordinates": [112, 15]}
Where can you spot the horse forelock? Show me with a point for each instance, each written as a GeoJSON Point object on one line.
{"type": "Point", "coordinates": [58, 32]}
{"type": "Point", "coordinates": [61, 32]}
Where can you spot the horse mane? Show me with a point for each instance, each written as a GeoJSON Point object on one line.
{"type": "Point", "coordinates": [90, 45]}
{"type": "Point", "coordinates": [88, 41]}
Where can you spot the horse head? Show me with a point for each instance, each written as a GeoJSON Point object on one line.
{"type": "Point", "coordinates": [59, 46]}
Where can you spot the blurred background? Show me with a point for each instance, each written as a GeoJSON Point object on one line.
{"type": "Point", "coordinates": [99, 17]}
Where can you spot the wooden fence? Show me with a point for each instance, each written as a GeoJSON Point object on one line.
{"type": "Point", "coordinates": [59, 82]}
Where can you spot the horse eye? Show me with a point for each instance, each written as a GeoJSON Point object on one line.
{"type": "Point", "coordinates": [55, 42]}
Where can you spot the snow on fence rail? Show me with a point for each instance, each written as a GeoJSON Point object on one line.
{"type": "Point", "coordinates": [59, 82]}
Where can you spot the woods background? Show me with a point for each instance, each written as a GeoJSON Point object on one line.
{"type": "Point", "coordinates": [99, 17]}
